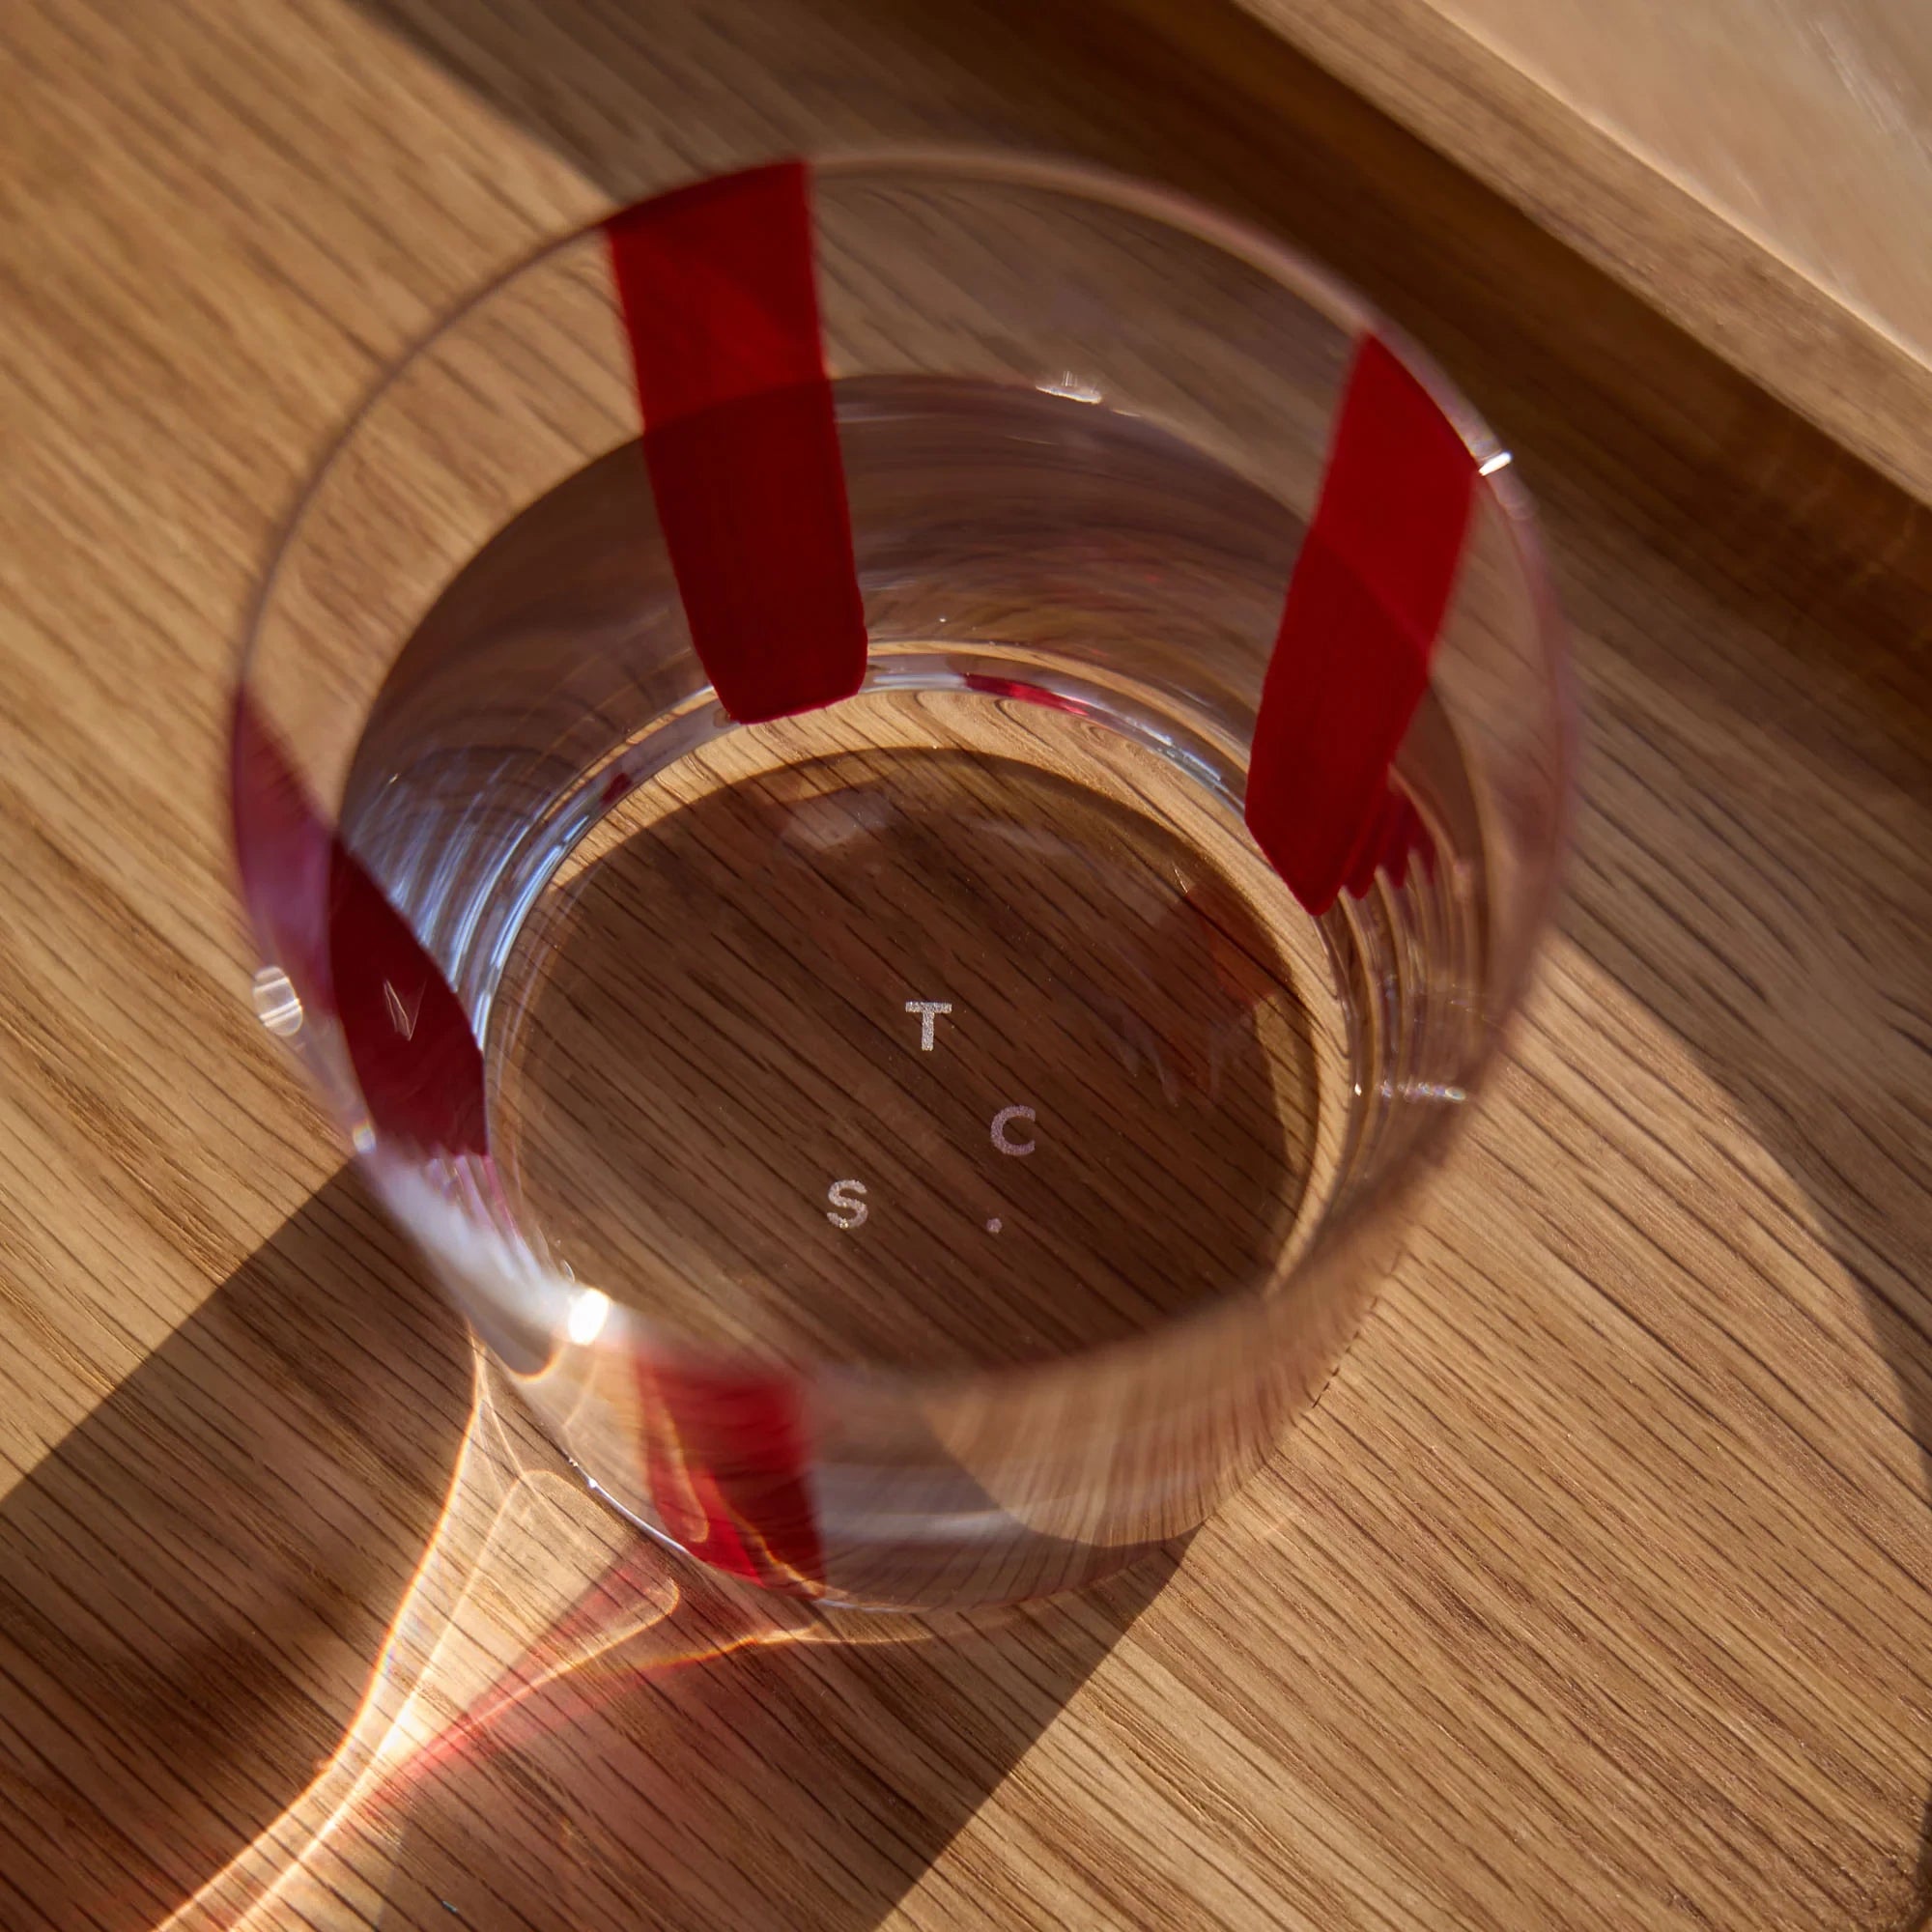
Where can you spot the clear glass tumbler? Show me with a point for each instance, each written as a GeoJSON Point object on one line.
{"type": "Point", "coordinates": [898, 800]}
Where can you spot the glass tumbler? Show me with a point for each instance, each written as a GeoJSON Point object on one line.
{"type": "Point", "coordinates": [898, 800]}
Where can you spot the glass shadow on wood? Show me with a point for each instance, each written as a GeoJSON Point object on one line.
{"type": "Point", "coordinates": [208, 1585]}
{"type": "Point", "coordinates": [196, 1581]}
{"type": "Point", "coordinates": [724, 1768]}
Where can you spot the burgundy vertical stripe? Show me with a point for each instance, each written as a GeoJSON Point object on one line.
{"type": "Point", "coordinates": [416, 1059]}
{"type": "Point", "coordinates": [1360, 623]}
{"type": "Point", "coordinates": [720, 302]}
{"type": "Point", "coordinates": [281, 851]}
{"type": "Point", "coordinates": [351, 955]}
{"type": "Point", "coordinates": [726, 1459]}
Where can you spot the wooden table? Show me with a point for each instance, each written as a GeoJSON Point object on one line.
{"type": "Point", "coordinates": [1594, 1594]}
{"type": "Point", "coordinates": [1760, 170]}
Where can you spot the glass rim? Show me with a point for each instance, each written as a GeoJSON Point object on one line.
{"type": "Point", "coordinates": [1320, 287]}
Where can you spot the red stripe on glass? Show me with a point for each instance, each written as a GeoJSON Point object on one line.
{"type": "Point", "coordinates": [720, 306]}
{"type": "Point", "coordinates": [1359, 626]}
{"type": "Point", "coordinates": [726, 1459]}
{"type": "Point", "coordinates": [351, 955]}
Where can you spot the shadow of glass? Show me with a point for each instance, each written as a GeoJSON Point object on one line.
{"type": "Point", "coordinates": [572, 1726]}
{"type": "Point", "coordinates": [305, 1624]}
{"type": "Point", "coordinates": [733, 1763]}
{"type": "Point", "coordinates": [193, 1581]}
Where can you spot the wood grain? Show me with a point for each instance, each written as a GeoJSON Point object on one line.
{"type": "Point", "coordinates": [1594, 1594]}
{"type": "Point", "coordinates": [1761, 170]}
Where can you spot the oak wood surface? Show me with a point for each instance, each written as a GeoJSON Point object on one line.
{"type": "Point", "coordinates": [1759, 169]}
{"type": "Point", "coordinates": [1595, 1592]}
